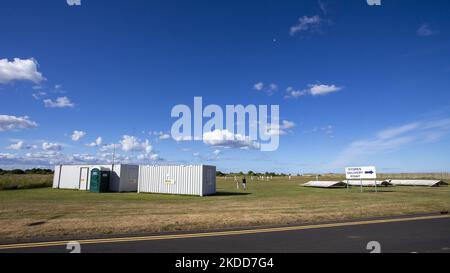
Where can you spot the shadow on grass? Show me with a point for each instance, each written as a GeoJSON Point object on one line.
{"type": "Point", "coordinates": [226, 193]}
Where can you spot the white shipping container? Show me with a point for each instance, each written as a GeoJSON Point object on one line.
{"type": "Point", "coordinates": [187, 180]}
{"type": "Point", "coordinates": [124, 178]}
{"type": "Point", "coordinates": [325, 184]}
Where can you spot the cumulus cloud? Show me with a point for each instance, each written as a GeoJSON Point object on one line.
{"type": "Point", "coordinates": [20, 145]}
{"type": "Point", "coordinates": [96, 143]}
{"type": "Point", "coordinates": [77, 135]}
{"type": "Point", "coordinates": [11, 123]}
{"type": "Point", "coordinates": [313, 90]}
{"type": "Point", "coordinates": [61, 102]}
{"type": "Point", "coordinates": [50, 158]}
{"type": "Point", "coordinates": [306, 23]}
{"type": "Point", "coordinates": [41, 159]}
{"type": "Point", "coordinates": [19, 69]}
{"type": "Point", "coordinates": [322, 89]}
{"type": "Point", "coordinates": [225, 138]}
{"type": "Point", "coordinates": [258, 86]}
{"type": "Point", "coordinates": [132, 143]}
{"type": "Point", "coordinates": [47, 146]}
{"type": "Point", "coordinates": [17, 146]}
{"type": "Point", "coordinates": [270, 88]}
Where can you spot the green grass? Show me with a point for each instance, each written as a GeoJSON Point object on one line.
{"type": "Point", "coordinates": [25, 181]}
{"type": "Point", "coordinates": [48, 212]}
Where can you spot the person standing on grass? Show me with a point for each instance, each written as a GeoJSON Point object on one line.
{"type": "Point", "coordinates": [244, 183]}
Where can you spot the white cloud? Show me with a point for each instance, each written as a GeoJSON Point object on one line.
{"type": "Point", "coordinates": [393, 132]}
{"type": "Point", "coordinates": [61, 102]}
{"type": "Point", "coordinates": [97, 143]}
{"type": "Point", "coordinates": [281, 129]}
{"type": "Point", "coordinates": [306, 23]}
{"type": "Point", "coordinates": [39, 95]}
{"type": "Point", "coordinates": [19, 69]}
{"type": "Point", "coordinates": [155, 157]}
{"type": "Point", "coordinates": [41, 159]}
{"type": "Point", "coordinates": [11, 123]}
{"type": "Point", "coordinates": [164, 136]}
{"type": "Point", "coordinates": [286, 124]}
{"type": "Point", "coordinates": [224, 138]}
{"type": "Point", "coordinates": [216, 152]}
{"type": "Point", "coordinates": [270, 89]}
{"type": "Point", "coordinates": [161, 135]}
{"type": "Point", "coordinates": [20, 145]}
{"type": "Point", "coordinates": [313, 90]}
{"type": "Point", "coordinates": [273, 87]}
{"type": "Point", "coordinates": [393, 139]}
{"type": "Point", "coordinates": [77, 135]}
{"type": "Point", "coordinates": [132, 143]}
{"type": "Point", "coordinates": [146, 157]}
{"type": "Point", "coordinates": [322, 89]}
{"type": "Point", "coordinates": [258, 86]}
{"type": "Point", "coordinates": [51, 158]}
{"type": "Point", "coordinates": [107, 147]}
{"type": "Point", "coordinates": [17, 146]}
{"type": "Point", "coordinates": [292, 93]}
{"type": "Point", "coordinates": [425, 30]}
{"type": "Point", "coordinates": [46, 146]}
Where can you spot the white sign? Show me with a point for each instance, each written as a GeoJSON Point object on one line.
{"type": "Point", "coordinates": [361, 172]}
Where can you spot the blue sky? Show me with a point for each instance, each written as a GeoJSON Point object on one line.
{"type": "Point", "coordinates": [356, 84]}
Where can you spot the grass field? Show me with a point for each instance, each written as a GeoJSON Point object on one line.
{"type": "Point", "coordinates": [46, 212]}
{"type": "Point", "coordinates": [25, 181]}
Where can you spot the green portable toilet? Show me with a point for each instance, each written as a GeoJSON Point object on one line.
{"type": "Point", "coordinates": [99, 180]}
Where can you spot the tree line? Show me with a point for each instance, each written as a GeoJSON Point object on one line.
{"type": "Point", "coordinates": [251, 173]}
{"type": "Point", "coordinates": [28, 171]}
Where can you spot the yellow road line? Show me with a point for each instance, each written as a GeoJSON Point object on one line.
{"type": "Point", "coordinates": [219, 233]}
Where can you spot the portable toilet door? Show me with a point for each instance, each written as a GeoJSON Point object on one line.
{"type": "Point", "coordinates": [104, 181]}
{"type": "Point", "coordinates": [95, 180]}
{"type": "Point", "coordinates": [99, 180]}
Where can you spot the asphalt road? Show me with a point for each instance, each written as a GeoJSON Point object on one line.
{"type": "Point", "coordinates": [402, 235]}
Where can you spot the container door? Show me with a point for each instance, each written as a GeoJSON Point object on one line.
{"type": "Point", "coordinates": [95, 180]}
{"type": "Point", "coordinates": [84, 175]}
